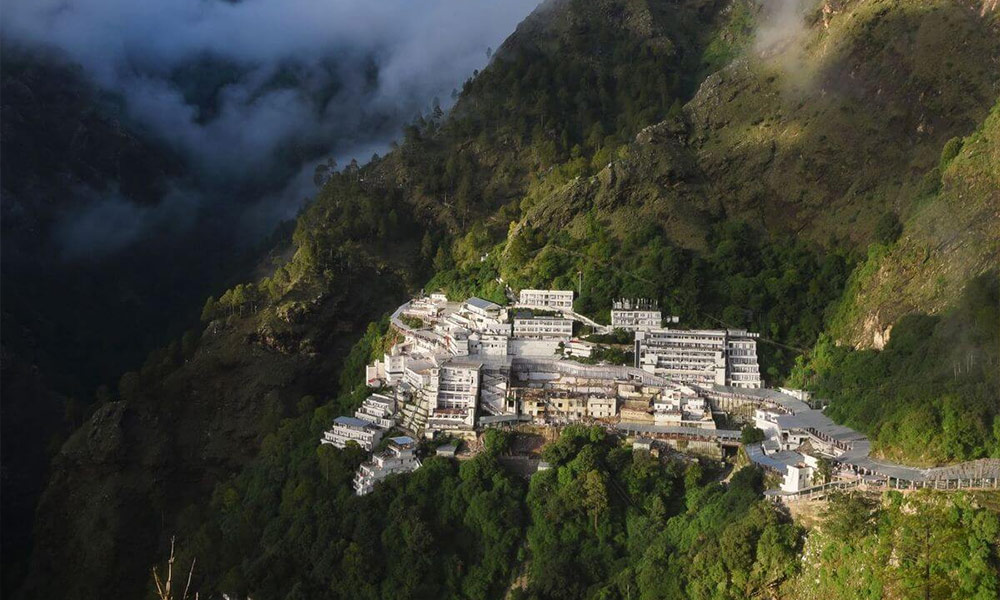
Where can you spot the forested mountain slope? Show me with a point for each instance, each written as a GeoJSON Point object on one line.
{"type": "Point", "coordinates": [608, 141]}
{"type": "Point", "coordinates": [65, 145]}
{"type": "Point", "coordinates": [111, 239]}
{"type": "Point", "coordinates": [923, 308]}
{"type": "Point", "coordinates": [949, 237]}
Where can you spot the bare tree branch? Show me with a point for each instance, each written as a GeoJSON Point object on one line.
{"type": "Point", "coordinates": [164, 588]}
{"type": "Point", "coordinates": [190, 574]}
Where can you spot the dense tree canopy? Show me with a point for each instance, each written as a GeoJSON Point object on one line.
{"type": "Point", "coordinates": [780, 288]}
{"type": "Point", "coordinates": [931, 394]}
{"type": "Point", "coordinates": [917, 546]}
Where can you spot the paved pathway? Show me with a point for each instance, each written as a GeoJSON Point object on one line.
{"type": "Point", "coordinates": [857, 447]}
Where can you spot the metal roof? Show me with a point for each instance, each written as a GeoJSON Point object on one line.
{"type": "Point", "coordinates": [482, 304]}
{"type": "Point", "coordinates": [352, 422]}
{"type": "Point", "coordinates": [778, 461]}
{"type": "Point", "coordinates": [491, 419]}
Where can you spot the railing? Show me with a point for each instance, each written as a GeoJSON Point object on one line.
{"type": "Point", "coordinates": [880, 485]}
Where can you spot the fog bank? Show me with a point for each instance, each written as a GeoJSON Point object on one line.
{"type": "Point", "coordinates": [255, 91]}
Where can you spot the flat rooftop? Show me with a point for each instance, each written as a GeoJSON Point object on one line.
{"type": "Point", "coordinates": [819, 422]}
{"type": "Point", "coordinates": [482, 304]}
{"type": "Point", "coordinates": [352, 422]}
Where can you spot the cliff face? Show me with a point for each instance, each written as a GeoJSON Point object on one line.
{"type": "Point", "coordinates": [817, 134]}
{"type": "Point", "coordinates": [950, 237]}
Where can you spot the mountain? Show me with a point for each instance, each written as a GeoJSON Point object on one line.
{"type": "Point", "coordinates": [62, 143]}
{"type": "Point", "coordinates": [922, 311]}
{"type": "Point", "coordinates": [106, 255]}
{"type": "Point", "coordinates": [948, 238]}
{"type": "Point", "coordinates": [117, 223]}
{"type": "Point", "coordinates": [680, 150]}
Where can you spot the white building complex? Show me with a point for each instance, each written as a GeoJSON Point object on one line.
{"type": "Point", "coordinates": [561, 300]}
{"type": "Point", "coordinates": [633, 315]}
{"type": "Point", "coordinates": [462, 366]}
{"type": "Point", "coordinates": [700, 356]}
{"type": "Point", "coordinates": [398, 457]}
{"type": "Point", "coordinates": [346, 429]}
{"type": "Point", "coordinates": [543, 328]}
{"type": "Point", "coordinates": [379, 410]}
{"type": "Point", "coordinates": [458, 366]}
{"type": "Point", "coordinates": [456, 394]}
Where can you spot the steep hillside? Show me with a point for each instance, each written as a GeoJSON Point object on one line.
{"type": "Point", "coordinates": [915, 546]}
{"type": "Point", "coordinates": [589, 153]}
{"type": "Point", "coordinates": [196, 413]}
{"type": "Point", "coordinates": [63, 144]}
{"type": "Point", "coordinates": [817, 132]}
{"type": "Point", "coordinates": [193, 415]}
{"type": "Point", "coordinates": [824, 128]}
{"type": "Point", "coordinates": [949, 238]}
{"type": "Point", "coordinates": [110, 243]}
{"type": "Point", "coordinates": [929, 396]}
{"type": "Point", "coordinates": [922, 309]}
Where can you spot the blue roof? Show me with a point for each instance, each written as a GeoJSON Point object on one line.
{"type": "Point", "coordinates": [779, 461]}
{"type": "Point", "coordinates": [402, 440]}
{"type": "Point", "coordinates": [352, 422]}
{"type": "Point", "coordinates": [483, 304]}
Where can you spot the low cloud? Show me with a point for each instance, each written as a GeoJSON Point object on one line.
{"type": "Point", "coordinates": [104, 223]}
{"type": "Point", "coordinates": [782, 23]}
{"type": "Point", "coordinates": [251, 91]}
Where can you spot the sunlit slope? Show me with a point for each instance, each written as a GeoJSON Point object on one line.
{"type": "Point", "coordinates": [950, 237]}
{"type": "Point", "coordinates": [818, 133]}
{"type": "Point", "coordinates": [829, 126]}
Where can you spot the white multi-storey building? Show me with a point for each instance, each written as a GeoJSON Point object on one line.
{"type": "Point", "coordinates": [379, 410]}
{"type": "Point", "coordinates": [398, 457]}
{"type": "Point", "coordinates": [456, 383]}
{"type": "Point", "coordinates": [488, 344]}
{"type": "Point", "coordinates": [742, 367]}
{"type": "Point", "coordinates": [543, 328]}
{"type": "Point", "coordinates": [633, 315]}
{"type": "Point", "coordinates": [388, 371]}
{"type": "Point", "coordinates": [482, 308]}
{"type": "Point", "coordinates": [483, 316]}
{"type": "Point", "coordinates": [692, 356]}
{"type": "Point", "coordinates": [425, 308]}
{"type": "Point", "coordinates": [419, 373]}
{"type": "Point", "coordinates": [456, 339]}
{"type": "Point", "coordinates": [561, 300]}
{"type": "Point", "coordinates": [700, 356]}
{"type": "Point", "coordinates": [346, 429]}
{"type": "Point", "coordinates": [682, 407]}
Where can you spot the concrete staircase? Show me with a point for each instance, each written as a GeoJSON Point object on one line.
{"type": "Point", "coordinates": [493, 392]}
{"type": "Point", "coordinates": [414, 414]}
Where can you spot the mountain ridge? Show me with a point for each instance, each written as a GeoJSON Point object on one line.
{"type": "Point", "coordinates": [468, 198]}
